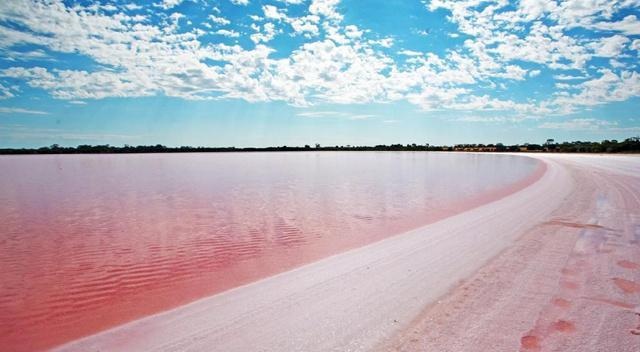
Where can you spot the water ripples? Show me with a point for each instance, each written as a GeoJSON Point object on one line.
{"type": "Point", "coordinates": [91, 241]}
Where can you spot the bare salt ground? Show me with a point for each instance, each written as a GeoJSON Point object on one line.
{"type": "Point", "coordinates": [554, 266]}
{"type": "Point", "coordinates": [570, 283]}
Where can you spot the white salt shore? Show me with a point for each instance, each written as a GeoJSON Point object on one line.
{"type": "Point", "coordinates": [378, 297]}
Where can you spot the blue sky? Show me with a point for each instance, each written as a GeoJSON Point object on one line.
{"type": "Point", "coordinates": [295, 72]}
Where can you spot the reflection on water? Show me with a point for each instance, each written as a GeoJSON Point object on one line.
{"type": "Point", "coordinates": [89, 241]}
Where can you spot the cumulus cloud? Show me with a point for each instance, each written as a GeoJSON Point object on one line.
{"type": "Point", "coordinates": [219, 20]}
{"type": "Point", "coordinates": [70, 84]}
{"type": "Point", "coordinates": [168, 4]}
{"type": "Point", "coordinates": [609, 87]}
{"type": "Point", "coordinates": [629, 25]}
{"type": "Point", "coordinates": [330, 61]}
{"type": "Point", "coordinates": [499, 30]}
{"type": "Point", "coordinates": [611, 46]}
{"type": "Point", "coordinates": [410, 53]}
{"type": "Point", "coordinates": [272, 12]}
{"type": "Point", "coordinates": [264, 34]}
{"type": "Point", "coordinates": [227, 33]}
{"type": "Point", "coordinates": [306, 25]}
{"type": "Point", "coordinates": [326, 8]}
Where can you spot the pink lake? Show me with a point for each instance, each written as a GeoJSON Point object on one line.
{"type": "Point", "coordinates": [91, 241]}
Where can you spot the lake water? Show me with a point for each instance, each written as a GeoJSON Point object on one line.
{"type": "Point", "coordinates": [91, 241]}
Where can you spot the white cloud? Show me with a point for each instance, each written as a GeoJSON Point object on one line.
{"type": "Point", "coordinates": [534, 9]}
{"type": "Point", "coordinates": [585, 124]}
{"type": "Point", "coordinates": [335, 114]}
{"type": "Point", "coordinates": [608, 87]}
{"type": "Point", "coordinates": [410, 53]}
{"type": "Point", "coordinates": [536, 30]}
{"type": "Point", "coordinates": [326, 8]}
{"type": "Point", "coordinates": [240, 2]}
{"type": "Point", "coordinates": [629, 25]}
{"type": "Point", "coordinates": [435, 98]}
{"type": "Point", "coordinates": [132, 7]}
{"type": "Point", "coordinates": [265, 35]}
{"type": "Point", "coordinates": [272, 12]}
{"type": "Point", "coordinates": [616, 64]}
{"type": "Point", "coordinates": [564, 86]}
{"type": "Point", "coordinates": [476, 103]}
{"type": "Point", "coordinates": [305, 25]}
{"type": "Point", "coordinates": [227, 33]}
{"type": "Point", "coordinates": [336, 73]}
{"type": "Point", "coordinates": [512, 72]}
{"type": "Point", "coordinates": [384, 42]}
{"type": "Point", "coordinates": [5, 92]}
{"type": "Point", "coordinates": [338, 63]}
{"type": "Point", "coordinates": [352, 32]}
{"type": "Point", "coordinates": [7, 110]}
{"type": "Point", "coordinates": [543, 45]}
{"type": "Point", "coordinates": [610, 47]}
{"type": "Point", "coordinates": [71, 85]}
{"type": "Point", "coordinates": [360, 117]}
{"type": "Point", "coordinates": [320, 114]}
{"type": "Point", "coordinates": [491, 119]}
{"type": "Point", "coordinates": [563, 77]}
{"type": "Point", "coordinates": [168, 4]}
{"type": "Point", "coordinates": [219, 20]}
{"type": "Point", "coordinates": [37, 54]}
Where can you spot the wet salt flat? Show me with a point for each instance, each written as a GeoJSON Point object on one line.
{"type": "Point", "coordinates": [91, 241]}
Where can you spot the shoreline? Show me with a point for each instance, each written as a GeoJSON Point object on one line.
{"type": "Point", "coordinates": [571, 283]}
{"type": "Point", "coordinates": [130, 308]}
{"type": "Point", "coordinates": [325, 281]}
{"type": "Point", "coordinates": [292, 150]}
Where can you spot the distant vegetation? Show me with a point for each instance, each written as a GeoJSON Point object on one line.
{"type": "Point", "coordinates": [629, 145]}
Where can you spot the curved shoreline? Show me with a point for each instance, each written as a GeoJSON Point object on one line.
{"type": "Point", "coordinates": [273, 254]}
{"type": "Point", "coordinates": [571, 283]}
{"type": "Point", "coordinates": [308, 308]}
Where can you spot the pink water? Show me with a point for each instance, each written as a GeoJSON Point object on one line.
{"type": "Point", "coordinates": [91, 241]}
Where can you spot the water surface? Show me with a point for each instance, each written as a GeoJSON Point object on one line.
{"type": "Point", "coordinates": [90, 241]}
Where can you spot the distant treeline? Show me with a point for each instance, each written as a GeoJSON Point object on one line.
{"type": "Point", "coordinates": [629, 145]}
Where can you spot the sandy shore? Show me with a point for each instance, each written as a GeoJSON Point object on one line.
{"type": "Point", "coordinates": [570, 283]}
{"type": "Point", "coordinates": [555, 266]}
